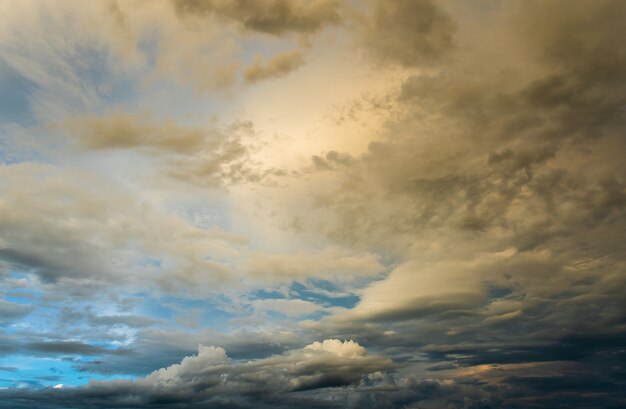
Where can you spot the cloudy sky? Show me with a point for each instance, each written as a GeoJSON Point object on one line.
{"type": "Point", "coordinates": [312, 204]}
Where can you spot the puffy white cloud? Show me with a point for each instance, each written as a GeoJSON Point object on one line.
{"type": "Point", "coordinates": [326, 364]}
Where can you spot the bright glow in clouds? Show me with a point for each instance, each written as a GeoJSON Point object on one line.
{"type": "Point", "coordinates": [312, 204]}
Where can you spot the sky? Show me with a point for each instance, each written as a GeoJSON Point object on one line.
{"type": "Point", "coordinates": [313, 204]}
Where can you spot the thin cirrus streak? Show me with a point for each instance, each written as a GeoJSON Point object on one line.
{"type": "Point", "coordinates": [312, 203]}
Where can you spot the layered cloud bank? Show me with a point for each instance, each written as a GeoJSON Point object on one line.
{"type": "Point", "coordinates": [211, 379]}
{"type": "Point", "coordinates": [440, 181]}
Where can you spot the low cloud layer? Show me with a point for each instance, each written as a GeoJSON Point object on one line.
{"type": "Point", "coordinates": [211, 379]}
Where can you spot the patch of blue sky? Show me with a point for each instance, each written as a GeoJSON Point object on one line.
{"type": "Point", "coordinates": [42, 320]}
{"type": "Point", "coordinates": [114, 85]}
{"type": "Point", "coordinates": [153, 307]}
{"type": "Point", "coordinates": [114, 93]}
{"type": "Point", "coordinates": [494, 291]}
{"type": "Point", "coordinates": [93, 71]}
{"type": "Point", "coordinates": [25, 297]}
{"type": "Point", "coordinates": [15, 93]}
{"type": "Point", "coordinates": [43, 372]}
{"type": "Point", "coordinates": [324, 292]}
{"type": "Point", "coordinates": [19, 144]}
{"type": "Point", "coordinates": [209, 313]}
{"type": "Point", "coordinates": [150, 262]}
{"type": "Point", "coordinates": [176, 312]}
{"type": "Point", "coordinates": [191, 107]}
{"type": "Point", "coordinates": [264, 294]}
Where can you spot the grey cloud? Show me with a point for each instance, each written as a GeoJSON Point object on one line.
{"type": "Point", "coordinates": [274, 16]}
{"type": "Point", "coordinates": [210, 379]}
{"type": "Point", "coordinates": [496, 190]}
{"type": "Point", "coordinates": [88, 315]}
{"type": "Point", "coordinates": [32, 240]}
{"type": "Point", "coordinates": [10, 311]}
{"type": "Point", "coordinates": [277, 66]}
{"type": "Point", "coordinates": [487, 178]}
{"type": "Point", "coordinates": [408, 32]}
{"type": "Point", "coordinates": [207, 156]}
{"type": "Point", "coordinates": [321, 364]}
{"type": "Point", "coordinates": [331, 160]}
{"type": "Point", "coordinates": [376, 390]}
{"type": "Point", "coordinates": [22, 342]}
{"type": "Point", "coordinates": [154, 348]}
{"type": "Point", "coordinates": [79, 235]}
{"type": "Point", "coordinates": [128, 320]}
{"type": "Point", "coordinates": [70, 347]}
{"type": "Point", "coordinates": [125, 131]}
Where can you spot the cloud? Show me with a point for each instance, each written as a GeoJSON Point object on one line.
{"type": "Point", "coordinates": [498, 192]}
{"type": "Point", "coordinates": [273, 17]}
{"type": "Point", "coordinates": [210, 378]}
{"type": "Point", "coordinates": [277, 66]}
{"type": "Point", "coordinates": [126, 131]}
{"type": "Point", "coordinates": [407, 32]}
{"type": "Point", "coordinates": [329, 263]}
{"type": "Point", "coordinates": [88, 232]}
{"type": "Point", "coordinates": [70, 348]}
{"type": "Point", "coordinates": [200, 155]}
{"type": "Point", "coordinates": [477, 229]}
{"type": "Point", "coordinates": [319, 365]}
{"type": "Point", "coordinates": [10, 311]}
{"type": "Point", "coordinates": [290, 308]}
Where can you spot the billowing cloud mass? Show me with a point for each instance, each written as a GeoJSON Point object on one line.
{"type": "Point", "coordinates": [211, 379]}
{"type": "Point", "coordinates": [386, 204]}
